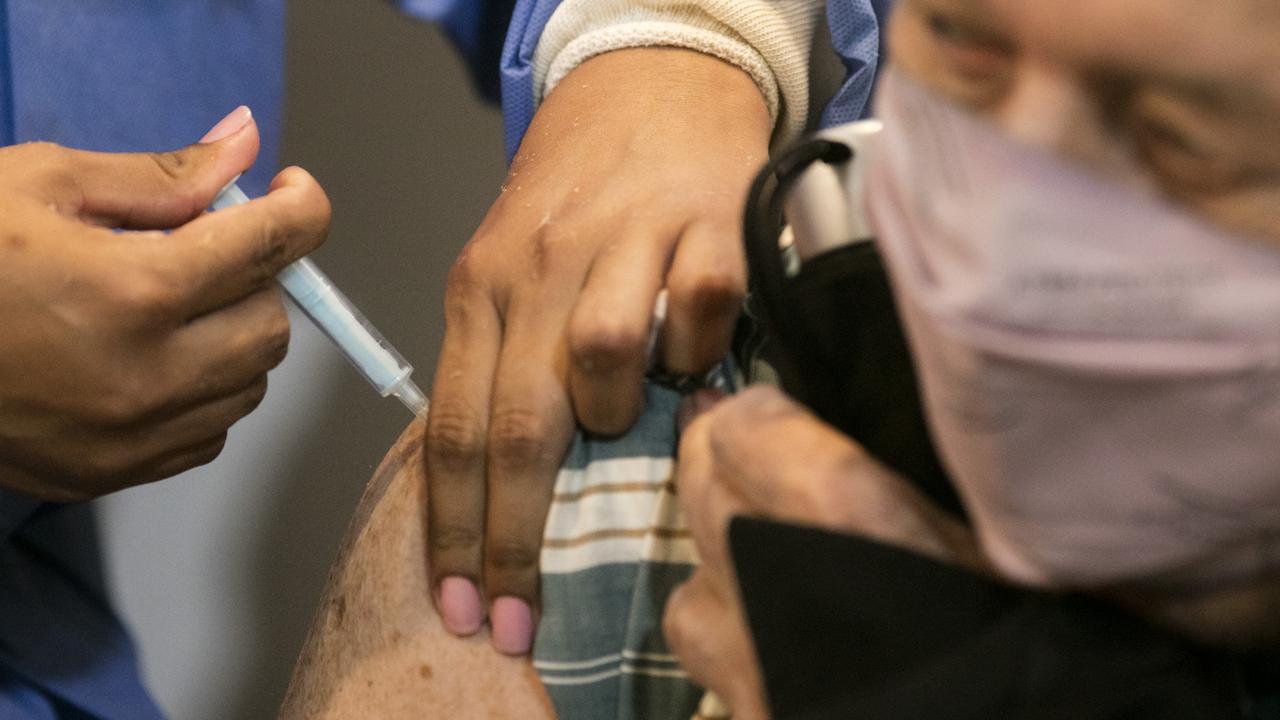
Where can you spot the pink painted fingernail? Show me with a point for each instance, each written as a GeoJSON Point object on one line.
{"type": "Point", "coordinates": [512, 621]}
{"type": "Point", "coordinates": [460, 606]}
{"type": "Point", "coordinates": [229, 125]}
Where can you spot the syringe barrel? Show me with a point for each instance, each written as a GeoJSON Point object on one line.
{"type": "Point", "coordinates": [314, 294]}
{"type": "Point", "coordinates": [312, 291]}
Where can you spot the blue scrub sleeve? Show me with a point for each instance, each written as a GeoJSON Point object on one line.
{"type": "Point", "coordinates": [855, 35]}
{"type": "Point", "coordinates": [6, 80]}
{"type": "Point", "coordinates": [501, 69]}
{"type": "Point", "coordinates": [130, 76]}
{"type": "Point", "coordinates": [476, 27]}
{"type": "Point", "coordinates": [518, 105]}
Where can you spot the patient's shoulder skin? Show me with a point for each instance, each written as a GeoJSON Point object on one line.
{"type": "Point", "coordinates": [376, 646]}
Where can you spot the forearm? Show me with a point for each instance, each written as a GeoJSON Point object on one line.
{"type": "Point", "coordinates": [377, 642]}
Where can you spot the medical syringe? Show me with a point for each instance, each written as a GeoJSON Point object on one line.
{"type": "Point", "coordinates": [331, 311]}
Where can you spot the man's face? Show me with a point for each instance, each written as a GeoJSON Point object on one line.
{"type": "Point", "coordinates": [1185, 93]}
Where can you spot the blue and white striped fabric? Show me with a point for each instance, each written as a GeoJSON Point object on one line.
{"type": "Point", "coordinates": [615, 546]}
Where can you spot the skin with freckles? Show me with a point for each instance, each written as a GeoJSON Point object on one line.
{"type": "Point", "coordinates": [377, 648]}
{"type": "Point", "coordinates": [127, 355]}
{"type": "Point", "coordinates": [631, 178]}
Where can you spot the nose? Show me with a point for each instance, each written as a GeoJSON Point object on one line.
{"type": "Point", "coordinates": [1050, 106]}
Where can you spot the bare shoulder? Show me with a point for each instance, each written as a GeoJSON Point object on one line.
{"type": "Point", "coordinates": [376, 646]}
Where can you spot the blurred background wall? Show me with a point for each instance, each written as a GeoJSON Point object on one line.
{"type": "Point", "coordinates": [218, 572]}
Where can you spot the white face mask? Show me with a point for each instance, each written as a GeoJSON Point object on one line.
{"type": "Point", "coordinates": [1101, 371]}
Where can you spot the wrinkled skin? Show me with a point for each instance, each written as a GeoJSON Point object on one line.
{"type": "Point", "coordinates": [739, 458]}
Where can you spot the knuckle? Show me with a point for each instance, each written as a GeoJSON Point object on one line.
{"type": "Point", "coordinates": [143, 297]}
{"type": "Point", "coordinates": [449, 537]}
{"type": "Point", "coordinates": [308, 207]}
{"type": "Point", "coordinates": [462, 274]}
{"type": "Point", "coordinates": [253, 397]}
{"type": "Point", "coordinates": [605, 344]}
{"type": "Point", "coordinates": [173, 165]}
{"type": "Point", "coordinates": [112, 408]}
{"type": "Point", "coordinates": [321, 212]}
{"type": "Point", "coordinates": [46, 158]}
{"type": "Point", "coordinates": [105, 467]}
{"type": "Point", "coordinates": [268, 251]}
{"type": "Point", "coordinates": [464, 286]}
{"type": "Point", "coordinates": [708, 292]}
{"type": "Point", "coordinates": [175, 169]}
{"type": "Point", "coordinates": [518, 437]}
{"type": "Point", "coordinates": [128, 400]}
{"type": "Point", "coordinates": [276, 333]}
{"type": "Point", "coordinates": [511, 558]}
{"type": "Point", "coordinates": [454, 443]}
{"type": "Point", "coordinates": [210, 452]}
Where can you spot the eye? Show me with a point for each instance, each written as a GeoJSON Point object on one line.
{"type": "Point", "coordinates": [966, 37]}
{"type": "Point", "coordinates": [1183, 164]}
{"type": "Point", "coordinates": [947, 29]}
{"type": "Point", "coordinates": [979, 60]}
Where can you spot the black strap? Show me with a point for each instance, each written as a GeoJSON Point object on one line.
{"type": "Point", "coordinates": [832, 332]}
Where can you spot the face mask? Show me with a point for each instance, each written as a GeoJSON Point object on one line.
{"type": "Point", "coordinates": [1100, 370]}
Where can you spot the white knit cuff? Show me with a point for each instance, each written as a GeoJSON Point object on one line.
{"type": "Point", "coordinates": [770, 40]}
{"type": "Point", "coordinates": [656, 33]}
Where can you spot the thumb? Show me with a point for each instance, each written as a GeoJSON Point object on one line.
{"type": "Point", "coordinates": [157, 190]}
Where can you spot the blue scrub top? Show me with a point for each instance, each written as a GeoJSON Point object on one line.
{"type": "Point", "coordinates": [120, 76]}
{"type": "Point", "coordinates": [117, 75]}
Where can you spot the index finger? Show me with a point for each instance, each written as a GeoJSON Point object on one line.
{"type": "Point", "coordinates": [705, 499]}
{"type": "Point", "coordinates": [224, 256]}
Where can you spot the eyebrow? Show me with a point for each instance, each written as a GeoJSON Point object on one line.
{"type": "Point", "coordinates": [978, 11]}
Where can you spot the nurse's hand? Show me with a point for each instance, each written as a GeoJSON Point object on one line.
{"type": "Point", "coordinates": [125, 356]}
{"type": "Point", "coordinates": [760, 454]}
{"type": "Point", "coordinates": [632, 177]}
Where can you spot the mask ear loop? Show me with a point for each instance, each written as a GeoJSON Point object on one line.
{"type": "Point", "coordinates": [773, 293]}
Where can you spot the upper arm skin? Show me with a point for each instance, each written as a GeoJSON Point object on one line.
{"type": "Point", "coordinates": [376, 646]}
